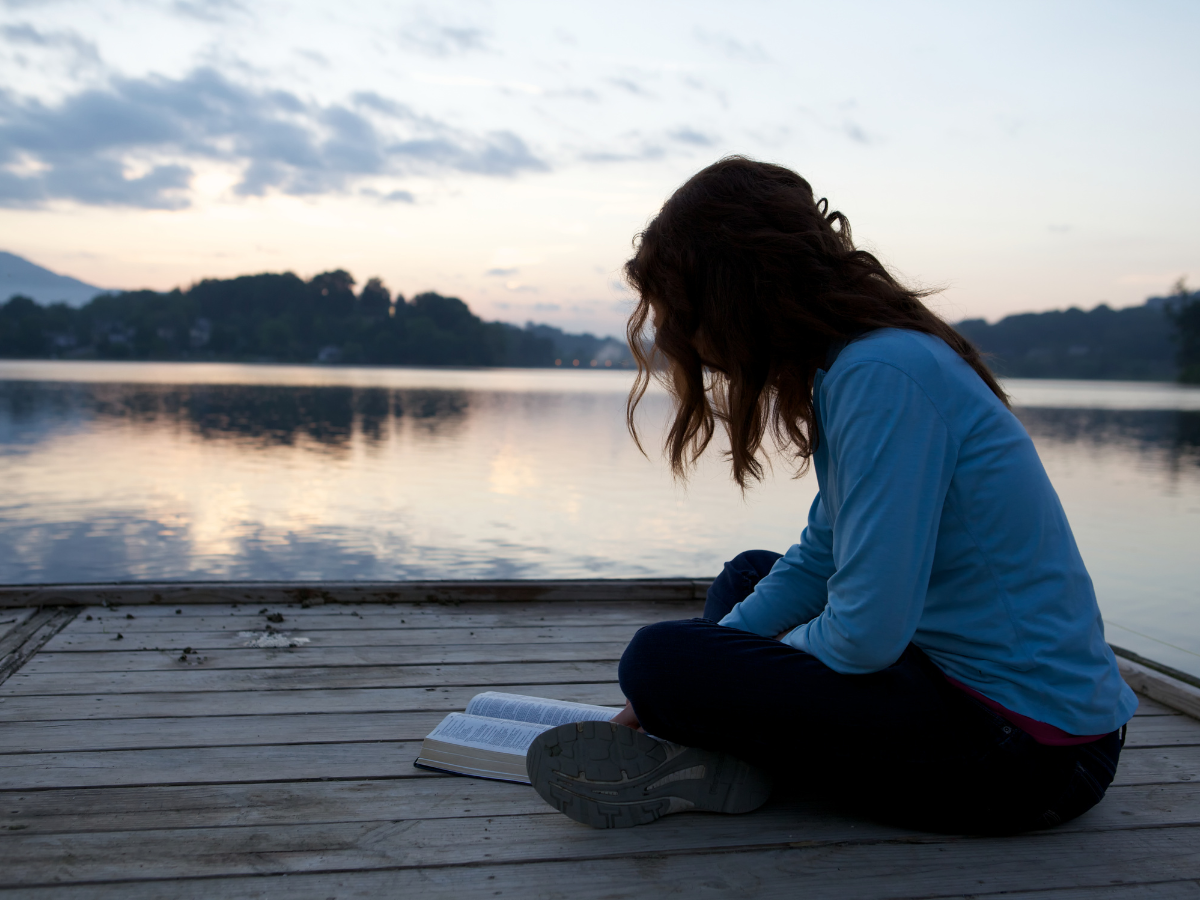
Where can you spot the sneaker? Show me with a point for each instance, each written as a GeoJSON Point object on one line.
{"type": "Point", "coordinates": [610, 776]}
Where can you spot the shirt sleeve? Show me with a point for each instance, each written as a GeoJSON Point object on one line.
{"type": "Point", "coordinates": [795, 590]}
{"type": "Point", "coordinates": [891, 457]}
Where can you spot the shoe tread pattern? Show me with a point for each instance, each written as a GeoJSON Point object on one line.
{"type": "Point", "coordinates": [610, 776]}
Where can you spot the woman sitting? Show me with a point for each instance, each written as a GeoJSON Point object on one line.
{"type": "Point", "coordinates": [931, 650]}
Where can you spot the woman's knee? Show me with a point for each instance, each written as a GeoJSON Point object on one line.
{"type": "Point", "coordinates": [736, 581]}
{"type": "Point", "coordinates": [652, 662]}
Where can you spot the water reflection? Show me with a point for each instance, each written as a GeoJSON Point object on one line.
{"type": "Point", "coordinates": [331, 416]}
{"type": "Point", "coordinates": [1168, 438]}
{"type": "Point", "coordinates": [327, 417]}
{"type": "Point", "coordinates": [303, 474]}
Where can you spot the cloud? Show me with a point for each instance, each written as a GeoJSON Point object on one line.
{"type": "Point", "coordinates": [838, 122]}
{"type": "Point", "coordinates": [314, 56]}
{"type": "Point", "coordinates": [83, 51]}
{"type": "Point", "coordinates": [501, 273]}
{"type": "Point", "coordinates": [26, 4]}
{"type": "Point", "coordinates": [628, 84]}
{"type": "Point", "coordinates": [855, 132]}
{"type": "Point", "coordinates": [208, 10]}
{"type": "Point", "coordinates": [634, 147]}
{"type": "Point", "coordinates": [135, 142]}
{"type": "Point", "coordinates": [396, 196]}
{"type": "Point", "coordinates": [704, 87]}
{"type": "Point", "coordinates": [586, 94]}
{"type": "Point", "coordinates": [440, 41]}
{"type": "Point", "coordinates": [691, 136]}
{"type": "Point", "coordinates": [734, 49]}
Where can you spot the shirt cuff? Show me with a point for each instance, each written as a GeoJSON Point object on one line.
{"type": "Point", "coordinates": [797, 638]}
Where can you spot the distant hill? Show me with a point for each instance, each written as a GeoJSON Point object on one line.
{"type": "Point", "coordinates": [582, 349]}
{"type": "Point", "coordinates": [1139, 343]}
{"type": "Point", "coordinates": [20, 276]}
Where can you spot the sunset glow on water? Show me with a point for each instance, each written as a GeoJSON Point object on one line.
{"type": "Point", "coordinates": [119, 472]}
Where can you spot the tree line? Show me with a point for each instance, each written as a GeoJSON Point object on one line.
{"type": "Point", "coordinates": [1158, 341]}
{"type": "Point", "coordinates": [282, 318]}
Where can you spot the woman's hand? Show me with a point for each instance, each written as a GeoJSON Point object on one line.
{"type": "Point", "coordinates": [628, 718]}
{"type": "Point", "coordinates": [782, 634]}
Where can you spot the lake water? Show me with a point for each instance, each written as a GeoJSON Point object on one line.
{"type": "Point", "coordinates": [119, 472]}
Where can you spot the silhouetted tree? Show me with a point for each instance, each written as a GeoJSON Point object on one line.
{"type": "Point", "coordinates": [333, 293]}
{"type": "Point", "coordinates": [1184, 311]}
{"type": "Point", "coordinates": [22, 326]}
{"type": "Point", "coordinates": [273, 317]}
{"type": "Point", "coordinates": [1132, 343]}
{"type": "Point", "coordinates": [375, 301]}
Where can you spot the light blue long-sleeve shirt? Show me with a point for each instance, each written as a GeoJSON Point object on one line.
{"type": "Point", "coordinates": [936, 524]}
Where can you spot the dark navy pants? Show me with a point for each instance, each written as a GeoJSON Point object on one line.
{"type": "Point", "coordinates": [902, 744]}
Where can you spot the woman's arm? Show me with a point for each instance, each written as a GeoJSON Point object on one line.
{"type": "Point", "coordinates": [891, 457]}
{"type": "Point", "coordinates": [795, 590]}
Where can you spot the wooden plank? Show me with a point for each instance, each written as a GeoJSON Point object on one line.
{"type": "Point", "coordinates": [345, 612]}
{"type": "Point", "coordinates": [318, 593]}
{"type": "Point", "coordinates": [205, 641]}
{"type": "Point", "coordinates": [198, 678]}
{"type": "Point", "coordinates": [263, 703]}
{"type": "Point", "coordinates": [349, 761]}
{"type": "Point", "coordinates": [396, 843]}
{"type": "Point", "coordinates": [633, 879]}
{"type": "Point", "coordinates": [280, 803]}
{"type": "Point", "coordinates": [333, 728]}
{"type": "Point", "coordinates": [70, 810]}
{"type": "Point", "coordinates": [1163, 731]}
{"type": "Point", "coordinates": [21, 632]}
{"type": "Point", "coordinates": [1174, 674]}
{"type": "Point", "coordinates": [911, 862]}
{"type": "Point", "coordinates": [1161, 890]}
{"type": "Point", "coordinates": [212, 765]}
{"type": "Point", "coordinates": [1158, 686]}
{"type": "Point", "coordinates": [1148, 707]}
{"type": "Point", "coordinates": [1158, 765]}
{"type": "Point", "coordinates": [12, 618]}
{"type": "Point", "coordinates": [41, 708]}
{"type": "Point", "coordinates": [198, 692]}
{"type": "Point", "coordinates": [19, 645]}
{"type": "Point", "coordinates": [86, 663]}
{"type": "Point", "coordinates": [216, 731]}
{"type": "Point", "coordinates": [210, 703]}
{"type": "Point", "coordinates": [331, 618]}
{"type": "Point", "coordinates": [175, 612]}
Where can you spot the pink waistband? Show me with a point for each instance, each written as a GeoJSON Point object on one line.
{"type": "Point", "coordinates": [1041, 732]}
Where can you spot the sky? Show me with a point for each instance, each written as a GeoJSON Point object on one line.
{"type": "Point", "coordinates": [1019, 156]}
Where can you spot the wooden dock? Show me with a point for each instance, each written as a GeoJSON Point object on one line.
{"type": "Point", "coordinates": [150, 749]}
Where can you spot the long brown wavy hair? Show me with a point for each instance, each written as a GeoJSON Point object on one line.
{"type": "Point", "coordinates": [748, 281]}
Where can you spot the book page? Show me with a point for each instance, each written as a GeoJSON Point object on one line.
{"type": "Point", "coordinates": [519, 708]}
{"type": "Point", "coordinates": [483, 733]}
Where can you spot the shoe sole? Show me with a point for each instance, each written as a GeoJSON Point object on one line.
{"type": "Point", "coordinates": [610, 776]}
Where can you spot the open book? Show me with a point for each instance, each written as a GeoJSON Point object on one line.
{"type": "Point", "coordinates": [490, 739]}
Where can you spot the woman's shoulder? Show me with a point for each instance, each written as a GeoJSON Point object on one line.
{"type": "Point", "coordinates": [914, 353]}
{"type": "Point", "coordinates": [899, 356]}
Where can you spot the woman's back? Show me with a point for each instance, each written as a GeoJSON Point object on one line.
{"type": "Point", "coordinates": [998, 591]}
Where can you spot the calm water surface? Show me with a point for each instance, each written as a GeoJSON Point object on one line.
{"type": "Point", "coordinates": [115, 472]}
